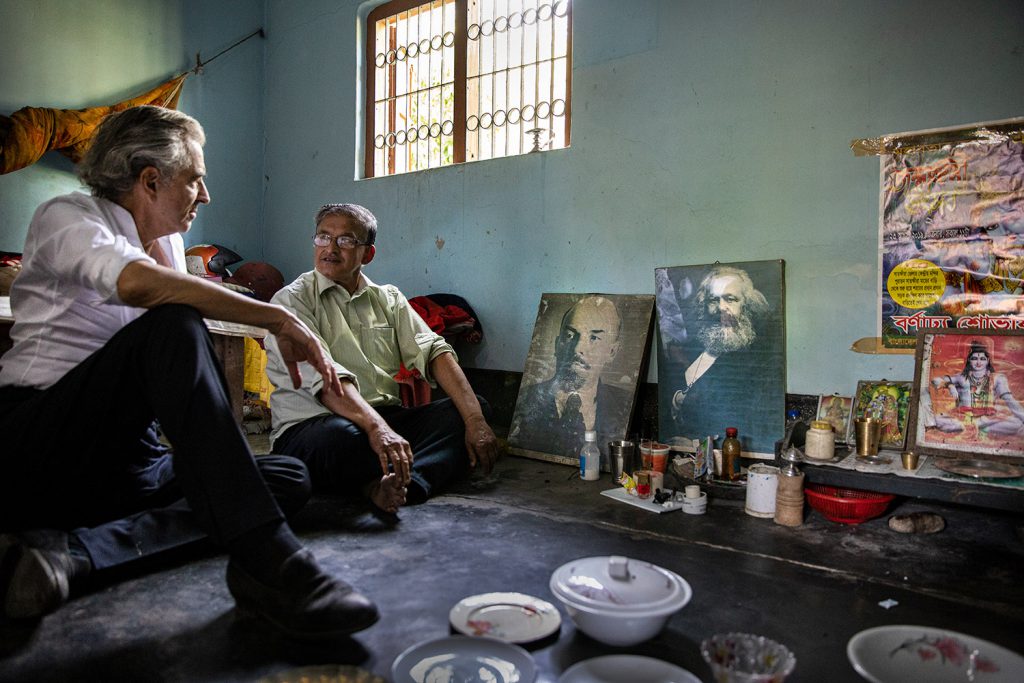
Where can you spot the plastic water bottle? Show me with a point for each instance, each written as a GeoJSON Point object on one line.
{"type": "Point", "coordinates": [590, 458]}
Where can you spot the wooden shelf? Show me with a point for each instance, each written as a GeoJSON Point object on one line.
{"type": "Point", "coordinates": [960, 491]}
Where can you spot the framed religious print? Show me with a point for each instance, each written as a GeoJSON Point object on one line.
{"type": "Point", "coordinates": [835, 410]}
{"type": "Point", "coordinates": [722, 354]}
{"type": "Point", "coordinates": [886, 401]}
{"type": "Point", "coordinates": [582, 373]}
{"type": "Point", "coordinates": [967, 384]}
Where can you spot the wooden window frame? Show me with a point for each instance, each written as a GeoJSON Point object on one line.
{"type": "Point", "coordinates": [460, 53]}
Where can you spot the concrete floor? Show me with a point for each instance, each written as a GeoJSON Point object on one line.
{"type": "Point", "coordinates": [811, 587]}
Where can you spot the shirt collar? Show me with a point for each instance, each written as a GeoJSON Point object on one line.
{"type": "Point", "coordinates": [124, 219]}
{"type": "Point", "coordinates": [324, 284]}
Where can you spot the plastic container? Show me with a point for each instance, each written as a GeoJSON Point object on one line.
{"type": "Point", "coordinates": [654, 456]}
{"type": "Point", "coordinates": [762, 484]}
{"type": "Point", "coordinates": [820, 443]}
{"type": "Point", "coordinates": [847, 506]}
{"type": "Point", "coordinates": [590, 458]}
{"type": "Point", "coordinates": [731, 450]}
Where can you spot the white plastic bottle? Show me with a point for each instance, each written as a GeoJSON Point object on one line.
{"type": "Point", "coordinates": [590, 458]}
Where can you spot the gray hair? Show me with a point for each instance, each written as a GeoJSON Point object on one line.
{"type": "Point", "coordinates": [359, 216]}
{"type": "Point", "coordinates": [754, 302]}
{"type": "Point", "coordinates": [128, 141]}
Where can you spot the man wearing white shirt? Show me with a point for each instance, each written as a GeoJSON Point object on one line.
{"type": "Point", "coordinates": [109, 341]}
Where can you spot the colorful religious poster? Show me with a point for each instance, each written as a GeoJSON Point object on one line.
{"type": "Point", "coordinates": [952, 235]}
{"type": "Point", "coordinates": [968, 387]}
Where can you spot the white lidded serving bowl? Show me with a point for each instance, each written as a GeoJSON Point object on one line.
{"type": "Point", "coordinates": [618, 600]}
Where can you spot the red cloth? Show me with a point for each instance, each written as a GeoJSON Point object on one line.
{"type": "Point", "coordinates": [450, 321]}
{"type": "Point", "coordinates": [412, 388]}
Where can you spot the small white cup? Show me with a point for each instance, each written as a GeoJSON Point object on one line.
{"type": "Point", "coordinates": [692, 491]}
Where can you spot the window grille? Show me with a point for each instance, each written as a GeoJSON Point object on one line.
{"type": "Point", "coordinates": [449, 81]}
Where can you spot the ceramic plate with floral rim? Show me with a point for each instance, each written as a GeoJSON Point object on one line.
{"type": "Point", "coordinates": [626, 669]}
{"type": "Point", "coordinates": [898, 654]}
{"type": "Point", "coordinates": [512, 617]}
{"type": "Point", "coordinates": [466, 660]}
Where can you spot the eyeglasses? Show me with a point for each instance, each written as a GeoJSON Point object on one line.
{"type": "Point", "coordinates": [322, 239]}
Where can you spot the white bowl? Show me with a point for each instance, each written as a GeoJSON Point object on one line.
{"type": "Point", "coordinates": [619, 601]}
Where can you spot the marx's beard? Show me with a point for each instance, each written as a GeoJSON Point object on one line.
{"type": "Point", "coordinates": [735, 334]}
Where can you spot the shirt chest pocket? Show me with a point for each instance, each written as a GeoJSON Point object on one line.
{"type": "Point", "coordinates": [380, 345]}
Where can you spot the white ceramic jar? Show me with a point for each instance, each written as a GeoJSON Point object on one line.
{"type": "Point", "coordinates": [821, 441]}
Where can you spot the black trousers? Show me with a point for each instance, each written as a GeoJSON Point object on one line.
{"type": "Point", "coordinates": [83, 455]}
{"type": "Point", "coordinates": [340, 459]}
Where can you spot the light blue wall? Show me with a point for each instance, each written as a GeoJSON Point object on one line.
{"type": "Point", "coordinates": [58, 53]}
{"type": "Point", "coordinates": [702, 131]}
{"type": "Point", "coordinates": [227, 98]}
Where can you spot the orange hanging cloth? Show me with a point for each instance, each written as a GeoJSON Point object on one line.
{"type": "Point", "coordinates": [32, 131]}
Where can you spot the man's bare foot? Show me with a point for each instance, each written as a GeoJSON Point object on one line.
{"type": "Point", "coordinates": [387, 493]}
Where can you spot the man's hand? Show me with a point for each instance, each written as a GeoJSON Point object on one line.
{"type": "Point", "coordinates": [391, 448]}
{"type": "Point", "coordinates": [298, 344]}
{"type": "Point", "coordinates": [481, 444]}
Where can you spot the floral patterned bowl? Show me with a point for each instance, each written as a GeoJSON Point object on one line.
{"type": "Point", "coordinates": [899, 653]}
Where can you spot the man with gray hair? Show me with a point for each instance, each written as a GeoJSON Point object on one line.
{"type": "Point", "coordinates": [727, 309]}
{"type": "Point", "coordinates": [363, 441]}
{"type": "Point", "coordinates": [109, 341]}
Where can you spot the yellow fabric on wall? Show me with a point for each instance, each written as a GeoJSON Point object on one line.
{"type": "Point", "coordinates": [30, 132]}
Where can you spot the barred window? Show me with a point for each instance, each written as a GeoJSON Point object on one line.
{"type": "Point", "coordinates": [449, 81]}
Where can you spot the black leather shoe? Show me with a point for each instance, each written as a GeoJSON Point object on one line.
{"type": "Point", "coordinates": [34, 578]}
{"type": "Point", "coordinates": [305, 602]}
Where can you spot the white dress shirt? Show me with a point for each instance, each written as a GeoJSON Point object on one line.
{"type": "Point", "coordinates": [64, 300]}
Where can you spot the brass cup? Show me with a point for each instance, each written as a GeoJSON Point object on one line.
{"type": "Point", "coordinates": [867, 432]}
{"type": "Point", "coordinates": [909, 460]}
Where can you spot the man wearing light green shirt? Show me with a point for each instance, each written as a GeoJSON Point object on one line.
{"type": "Point", "coordinates": [364, 441]}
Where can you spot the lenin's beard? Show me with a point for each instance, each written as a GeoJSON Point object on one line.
{"type": "Point", "coordinates": [726, 334]}
{"type": "Point", "coordinates": [572, 373]}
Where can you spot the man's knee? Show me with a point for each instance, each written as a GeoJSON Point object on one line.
{"type": "Point", "coordinates": [327, 432]}
{"type": "Point", "coordinates": [169, 316]}
{"type": "Point", "coordinates": [174, 324]}
{"type": "Point", "coordinates": [288, 480]}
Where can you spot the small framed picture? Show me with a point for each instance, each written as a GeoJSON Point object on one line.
{"type": "Point", "coordinates": [835, 410]}
{"type": "Point", "coordinates": [966, 384]}
{"type": "Point", "coordinates": [886, 401]}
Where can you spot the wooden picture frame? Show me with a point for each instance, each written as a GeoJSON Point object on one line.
{"type": "Point", "coordinates": [887, 401]}
{"type": "Point", "coordinates": [965, 406]}
{"type": "Point", "coordinates": [571, 326]}
{"type": "Point", "coordinates": [835, 410]}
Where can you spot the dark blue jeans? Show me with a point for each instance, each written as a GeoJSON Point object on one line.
{"type": "Point", "coordinates": [340, 459]}
{"type": "Point", "coordinates": [83, 454]}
